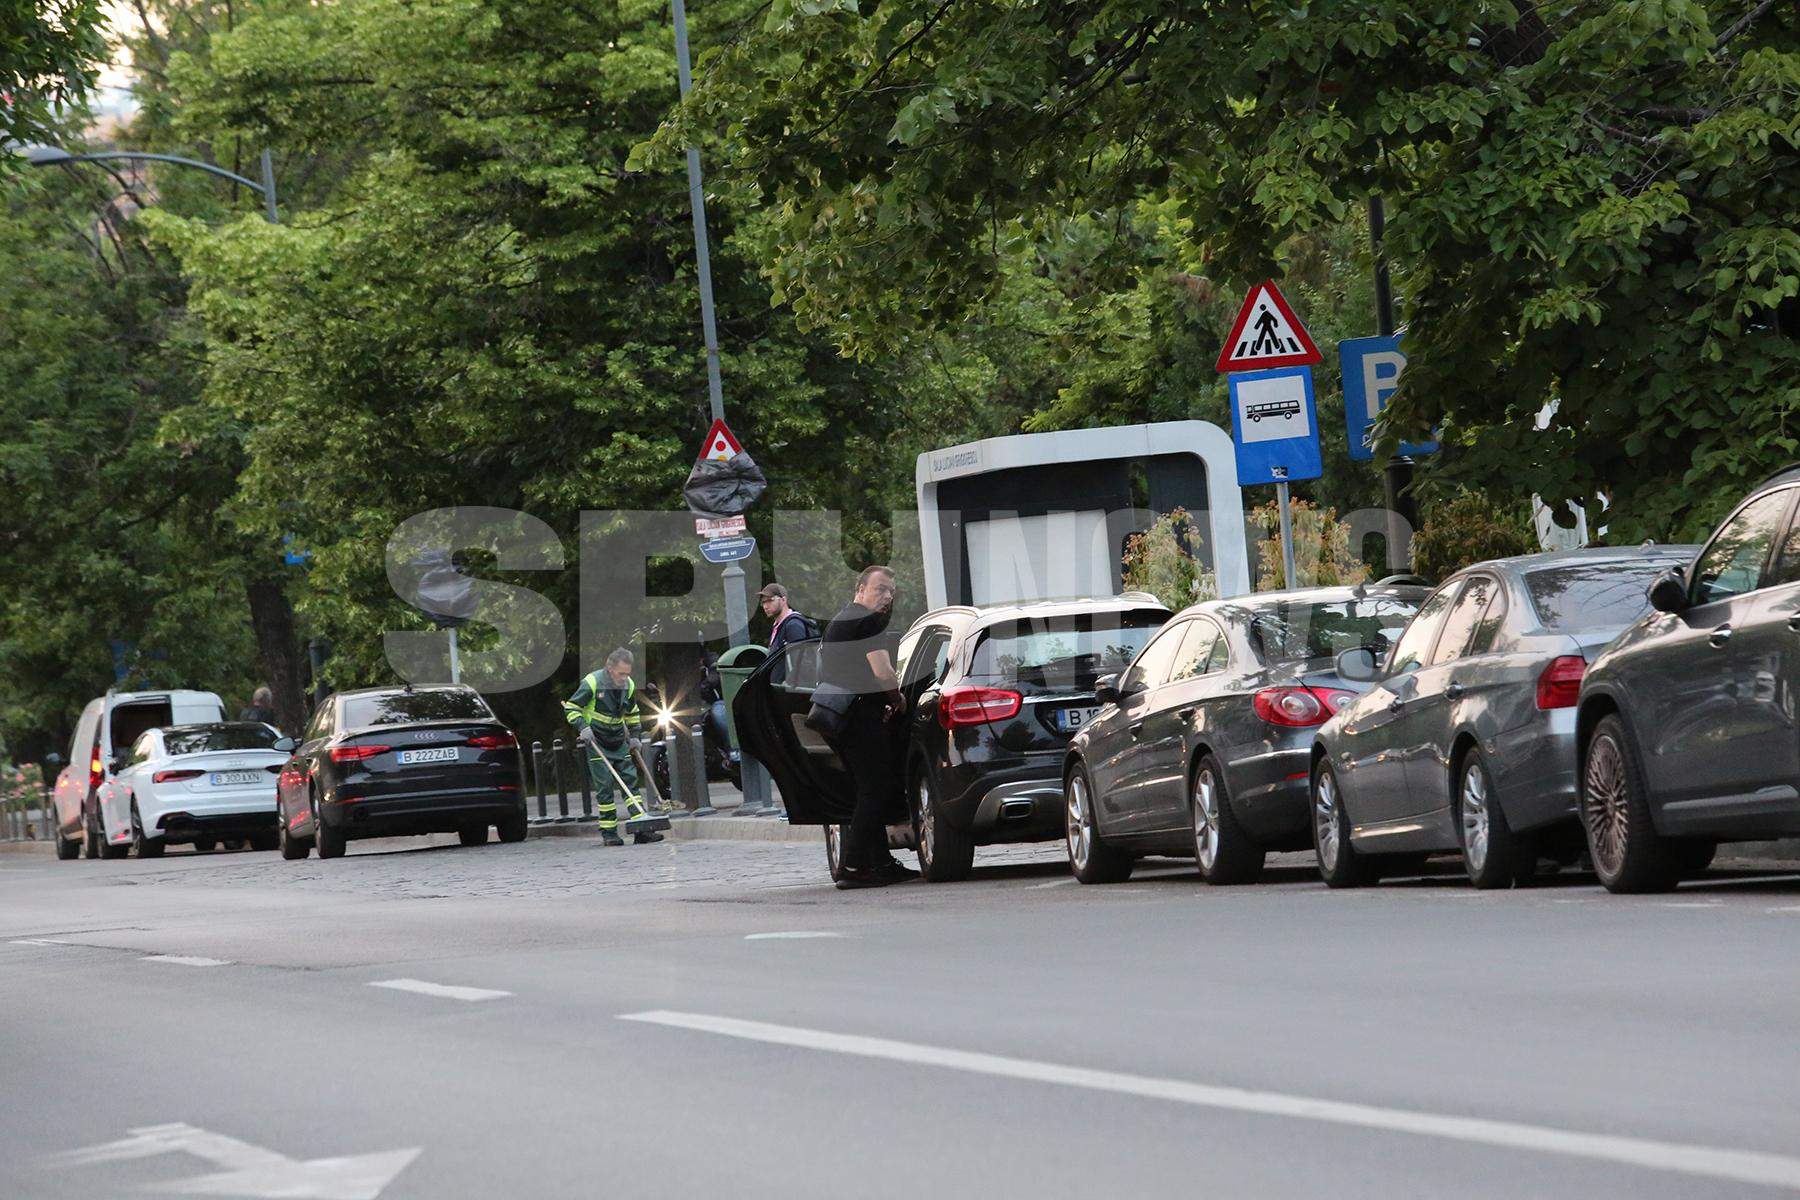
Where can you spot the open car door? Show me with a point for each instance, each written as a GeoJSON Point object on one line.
{"type": "Point", "coordinates": [770, 714]}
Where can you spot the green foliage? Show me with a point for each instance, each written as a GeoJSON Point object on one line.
{"type": "Point", "coordinates": [49, 53]}
{"type": "Point", "coordinates": [1322, 554]}
{"type": "Point", "coordinates": [1469, 527]}
{"type": "Point", "coordinates": [1593, 204]}
{"type": "Point", "coordinates": [1161, 561]}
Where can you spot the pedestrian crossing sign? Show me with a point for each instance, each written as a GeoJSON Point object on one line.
{"type": "Point", "coordinates": [720, 444]}
{"type": "Point", "coordinates": [1267, 334]}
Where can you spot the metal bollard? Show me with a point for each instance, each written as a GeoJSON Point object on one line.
{"type": "Point", "coordinates": [687, 773]}
{"type": "Point", "coordinates": [587, 790]}
{"type": "Point", "coordinates": [556, 767]}
{"type": "Point", "coordinates": [537, 775]}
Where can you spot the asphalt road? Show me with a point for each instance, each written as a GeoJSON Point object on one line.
{"type": "Point", "coordinates": [710, 1018]}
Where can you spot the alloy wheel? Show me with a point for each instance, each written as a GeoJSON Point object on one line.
{"type": "Point", "coordinates": [1206, 818]}
{"type": "Point", "coordinates": [1475, 816]}
{"type": "Point", "coordinates": [1080, 823]}
{"type": "Point", "coordinates": [927, 821]}
{"type": "Point", "coordinates": [1325, 819]}
{"type": "Point", "coordinates": [1603, 804]}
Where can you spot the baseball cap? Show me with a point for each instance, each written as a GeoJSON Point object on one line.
{"type": "Point", "coordinates": [772, 590]}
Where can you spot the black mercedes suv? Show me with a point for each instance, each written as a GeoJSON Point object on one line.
{"type": "Point", "coordinates": [994, 694]}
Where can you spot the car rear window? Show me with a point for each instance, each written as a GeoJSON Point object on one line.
{"type": "Point", "coordinates": [1596, 595]}
{"type": "Point", "coordinates": [1299, 631]}
{"type": "Point", "coordinates": [1069, 650]}
{"type": "Point", "coordinates": [403, 708]}
{"type": "Point", "coordinates": [201, 739]}
{"type": "Point", "coordinates": [131, 719]}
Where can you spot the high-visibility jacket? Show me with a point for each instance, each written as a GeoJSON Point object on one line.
{"type": "Point", "coordinates": [611, 712]}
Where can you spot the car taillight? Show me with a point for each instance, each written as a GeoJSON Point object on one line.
{"type": "Point", "coordinates": [1560, 683]}
{"type": "Point", "coordinates": [962, 706]}
{"type": "Point", "coordinates": [175, 776]}
{"type": "Point", "coordinates": [1291, 707]}
{"type": "Point", "coordinates": [493, 741]}
{"type": "Point", "coordinates": [96, 770]}
{"type": "Point", "coordinates": [1334, 698]}
{"type": "Point", "coordinates": [342, 754]}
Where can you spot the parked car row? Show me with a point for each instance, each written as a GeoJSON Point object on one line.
{"type": "Point", "coordinates": [148, 770]}
{"type": "Point", "coordinates": [1636, 706]}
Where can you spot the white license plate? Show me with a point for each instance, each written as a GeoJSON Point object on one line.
{"type": "Point", "coordinates": [441, 754]}
{"type": "Point", "coordinates": [1070, 719]}
{"type": "Point", "coordinates": [235, 778]}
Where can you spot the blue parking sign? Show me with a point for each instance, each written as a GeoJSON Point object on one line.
{"type": "Point", "coordinates": [1371, 367]}
{"type": "Point", "coordinates": [1275, 426]}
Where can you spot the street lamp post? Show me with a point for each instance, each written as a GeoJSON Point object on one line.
{"type": "Point", "coordinates": [54, 156]}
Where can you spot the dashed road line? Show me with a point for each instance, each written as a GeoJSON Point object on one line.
{"type": "Point", "coordinates": [1740, 1166]}
{"type": "Point", "coordinates": [791, 935]}
{"type": "Point", "coordinates": [445, 991]}
{"type": "Point", "coordinates": [187, 960]}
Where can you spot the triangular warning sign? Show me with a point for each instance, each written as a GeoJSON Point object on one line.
{"type": "Point", "coordinates": [720, 445]}
{"type": "Point", "coordinates": [1267, 334]}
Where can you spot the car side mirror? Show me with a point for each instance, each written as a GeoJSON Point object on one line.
{"type": "Point", "coordinates": [1106, 689]}
{"type": "Point", "coordinates": [1358, 665]}
{"type": "Point", "coordinates": [118, 763]}
{"type": "Point", "coordinates": [283, 744]}
{"type": "Point", "coordinates": [1668, 593]}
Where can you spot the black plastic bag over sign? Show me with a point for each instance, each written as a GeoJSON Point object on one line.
{"type": "Point", "coordinates": [724, 489]}
{"type": "Point", "coordinates": [445, 594]}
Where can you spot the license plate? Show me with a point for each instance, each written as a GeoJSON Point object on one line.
{"type": "Point", "coordinates": [235, 778]}
{"type": "Point", "coordinates": [1070, 719]}
{"type": "Point", "coordinates": [441, 754]}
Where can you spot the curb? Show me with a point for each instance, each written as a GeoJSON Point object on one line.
{"type": "Point", "coordinates": [702, 829]}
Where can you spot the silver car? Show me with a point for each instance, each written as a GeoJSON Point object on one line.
{"type": "Point", "coordinates": [1466, 743]}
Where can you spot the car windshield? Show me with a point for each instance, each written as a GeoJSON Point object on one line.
{"type": "Point", "coordinates": [1594, 595]}
{"type": "Point", "coordinates": [1064, 651]}
{"type": "Point", "coordinates": [403, 708]}
{"type": "Point", "coordinates": [1300, 630]}
{"type": "Point", "coordinates": [201, 739]}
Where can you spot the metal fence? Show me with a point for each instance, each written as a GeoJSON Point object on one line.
{"type": "Point", "coordinates": [560, 781]}
{"type": "Point", "coordinates": [25, 818]}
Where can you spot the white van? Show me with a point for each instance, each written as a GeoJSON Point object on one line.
{"type": "Point", "coordinates": [86, 816]}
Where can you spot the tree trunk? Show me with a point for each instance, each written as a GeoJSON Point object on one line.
{"type": "Point", "coordinates": [278, 650]}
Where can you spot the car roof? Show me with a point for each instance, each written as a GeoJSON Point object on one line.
{"type": "Point", "coordinates": [197, 726]}
{"type": "Point", "coordinates": [1024, 610]}
{"type": "Point", "coordinates": [1586, 554]}
{"type": "Point", "coordinates": [157, 694]}
{"type": "Point", "coordinates": [1312, 595]}
{"type": "Point", "coordinates": [399, 689]}
{"type": "Point", "coordinates": [1787, 474]}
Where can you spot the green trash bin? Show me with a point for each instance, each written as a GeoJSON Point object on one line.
{"type": "Point", "coordinates": [735, 666]}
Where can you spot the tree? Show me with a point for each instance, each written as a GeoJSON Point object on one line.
{"type": "Point", "coordinates": [49, 52]}
{"type": "Point", "coordinates": [1596, 204]}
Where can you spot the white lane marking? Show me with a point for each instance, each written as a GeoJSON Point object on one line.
{"type": "Point", "coordinates": [790, 935]}
{"type": "Point", "coordinates": [247, 1170]}
{"type": "Point", "coordinates": [1693, 904]}
{"type": "Point", "coordinates": [1034, 887]}
{"type": "Point", "coordinates": [446, 990]}
{"type": "Point", "coordinates": [39, 942]}
{"type": "Point", "coordinates": [1742, 1166]}
{"type": "Point", "coordinates": [187, 960]}
{"type": "Point", "coordinates": [1784, 908]}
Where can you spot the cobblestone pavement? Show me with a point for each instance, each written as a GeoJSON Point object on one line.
{"type": "Point", "coordinates": [537, 868]}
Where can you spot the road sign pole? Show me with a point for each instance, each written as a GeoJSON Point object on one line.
{"type": "Point", "coordinates": [1287, 537]}
{"type": "Point", "coordinates": [1398, 475]}
{"type": "Point", "coordinates": [455, 662]}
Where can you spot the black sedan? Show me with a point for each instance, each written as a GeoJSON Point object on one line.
{"type": "Point", "coordinates": [994, 694]}
{"type": "Point", "coordinates": [385, 762]}
{"type": "Point", "coordinates": [1203, 747]}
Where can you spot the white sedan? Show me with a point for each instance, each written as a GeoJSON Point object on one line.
{"type": "Point", "coordinates": [201, 784]}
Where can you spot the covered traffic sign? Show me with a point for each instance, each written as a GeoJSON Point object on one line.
{"type": "Point", "coordinates": [725, 479]}
{"type": "Point", "coordinates": [1267, 334]}
{"type": "Point", "coordinates": [1275, 425]}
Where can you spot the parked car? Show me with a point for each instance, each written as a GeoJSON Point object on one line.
{"type": "Point", "coordinates": [385, 762]}
{"type": "Point", "coordinates": [994, 696]}
{"type": "Point", "coordinates": [1202, 748]}
{"type": "Point", "coordinates": [92, 817]}
{"type": "Point", "coordinates": [202, 784]}
{"type": "Point", "coordinates": [1466, 742]}
{"type": "Point", "coordinates": [1686, 724]}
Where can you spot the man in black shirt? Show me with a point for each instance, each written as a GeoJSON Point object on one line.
{"type": "Point", "coordinates": [854, 656]}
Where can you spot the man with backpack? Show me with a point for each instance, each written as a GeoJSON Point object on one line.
{"type": "Point", "coordinates": [787, 626]}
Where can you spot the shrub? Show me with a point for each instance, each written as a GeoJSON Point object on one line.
{"type": "Point", "coordinates": [1161, 561]}
{"type": "Point", "coordinates": [1322, 556]}
{"type": "Point", "coordinates": [1469, 528]}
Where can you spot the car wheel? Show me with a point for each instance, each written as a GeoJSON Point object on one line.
{"type": "Point", "coordinates": [142, 846]}
{"type": "Point", "coordinates": [512, 828]}
{"type": "Point", "coordinates": [1090, 858]}
{"type": "Point", "coordinates": [1493, 855]}
{"type": "Point", "coordinates": [1340, 865]}
{"type": "Point", "coordinates": [946, 854]}
{"type": "Point", "coordinates": [1693, 858]}
{"type": "Point", "coordinates": [1629, 855]}
{"type": "Point", "coordinates": [292, 847]}
{"type": "Point", "coordinates": [205, 845]}
{"type": "Point", "coordinates": [834, 851]}
{"type": "Point", "coordinates": [66, 848]}
{"type": "Point", "coordinates": [329, 841]}
{"type": "Point", "coordinates": [472, 835]}
{"type": "Point", "coordinates": [1225, 852]}
{"type": "Point", "coordinates": [264, 842]}
{"type": "Point", "coordinates": [90, 834]}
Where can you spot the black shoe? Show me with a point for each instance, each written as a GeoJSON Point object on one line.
{"type": "Point", "coordinates": [644, 839]}
{"type": "Point", "coordinates": [609, 838]}
{"type": "Point", "coordinates": [851, 878]}
{"type": "Point", "coordinates": [894, 871]}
